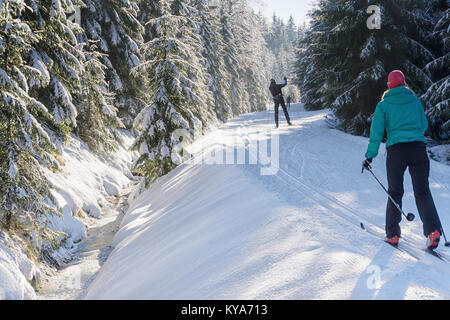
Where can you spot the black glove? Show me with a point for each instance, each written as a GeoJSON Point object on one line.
{"type": "Point", "coordinates": [285, 78]}
{"type": "Point", "coordinates": [366, 164]}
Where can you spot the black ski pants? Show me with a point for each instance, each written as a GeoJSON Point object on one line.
{"type": "Point", "coordinates": [280, 100]}
{"type": "Point", "coordinates": [411, 155]}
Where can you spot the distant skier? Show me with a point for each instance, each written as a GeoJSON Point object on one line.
{"type": "Point", "coordinates": [402, 116]}
{"type": "Point", "coordinates": [289, 100]}
{"type": "Point", "coordinates": [278, 99]}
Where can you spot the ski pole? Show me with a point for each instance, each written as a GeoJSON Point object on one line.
{"type": "Point", "coordinates": [410, 216]}
{"type": "Point", "coordinates": [447, 243]}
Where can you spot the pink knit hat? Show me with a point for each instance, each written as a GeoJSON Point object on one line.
{"type": "Point", "coordinates": [396, 78]}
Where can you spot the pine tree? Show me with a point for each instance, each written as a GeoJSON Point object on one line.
{"type": "Point", "coordinates": [231, 58]}
{"type": "Point", "coordinates": [42, 74]}
{"type": "Point", "coordinates": [312, 52]}
{"type": "Point", "coordinates": [308, 76]}
{"type": "Point", "coordinates": [176, 99]}
{"type": "Point", "coordinates": [58, 56]}
{"type": "Point", "coordinates": [25, 143]}
{"type": "Point", "coordinates": [69, 89]}
{"type": "Point", "coordinates": [213, 53]}
{"type": "Point", "coordinates": [147, 11]}
{"type": "Point", "coordinates": [244, 56]}
{"type": "Point", "coordinates": [291, 31]}
{"type": "Point", "coordinates": [250, 44]}
{"type": "Point", "coordinates": [188, 34]}
{"type": "Point", "coordinates": [268, 58]}
{"type": "Point", "coordinates": [353, 69]}
{"type": "Point", "coordinates": [437, 98]}
{"type": "Point", "coordinates": [119, 35]}
{"type": "Point", "coordinates": [97, 119]}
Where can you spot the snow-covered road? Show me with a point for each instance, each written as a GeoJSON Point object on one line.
{"type": "Point", "coordinates": [227, 231]}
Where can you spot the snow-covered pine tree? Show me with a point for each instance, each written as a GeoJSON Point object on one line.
{"type": "Point", "coordinates": [312, 52]}
{"type": "Point", "coordinates": [97, 119]}
{"type": "Point", "coordinates": [119, 35]}
{"type": "Point", "coordinates": [231, 57]}
{"type": "Point", "coordinates": [66, 86]}
{"type": "Point", "coordinates": [267, 56]}
{"type": "Point", "coordinates": [355, 67]}
{"type": "Point", "coordinates": [25, 144]}
{"type": "Point", "coordinates": [213, 54]}
{"type": "Point", "coordinates": [176, 103]}
{"type": "Point", "coordinates": [292, 32]}
{"type": "Point", "coordinates": [188, 34]}
{"type": "Point", "coordinates": [58, 56]}
{"type": "Point", "coordinates": [279, 47]}
{"type": "Point", "coordinates": [250, 44]}
{"type": "Point", "coordinates": [147, 11]}
{"type": "Point", "coordinates": [437, 98]}
{"type": "Point", "coordinates": [309, 76]}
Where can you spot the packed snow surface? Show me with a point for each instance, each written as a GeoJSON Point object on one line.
{"type": "Point", "coordinates": [234, 231]}
{"type": "Point", "coordinates": [441, 153]}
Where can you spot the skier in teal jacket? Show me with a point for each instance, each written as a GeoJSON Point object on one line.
{"type": "Point", "coordinates": [401, 116]}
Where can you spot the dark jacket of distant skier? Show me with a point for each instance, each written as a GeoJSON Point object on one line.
{"type": "Point", "coordinates": [278, 99]}
{"type": "Point", "coordinates": [401, 115]}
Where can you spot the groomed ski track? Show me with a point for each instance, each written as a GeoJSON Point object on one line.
{"type": "Point", "coordinates": [216, 231]}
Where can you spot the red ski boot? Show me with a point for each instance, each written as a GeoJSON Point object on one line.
{"type": "Point", "coordinates": [433, 240]}
{"type": "Point", "coordinates": [393, 241]}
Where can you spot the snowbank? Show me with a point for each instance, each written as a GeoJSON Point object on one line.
{"type": "Point", "coordinates": [192, 210]}
{"type": "Point", "coordinates": [81, 188]}
{"type": "Point", "coordinates": [441, 153]}
{"type": "Point", "coordinates": [16, 271]}
{"type": "Point", "coordinates": [84, 185]}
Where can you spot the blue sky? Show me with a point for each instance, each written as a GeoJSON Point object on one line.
{"type": "Point", "coordinates": [284, 8]}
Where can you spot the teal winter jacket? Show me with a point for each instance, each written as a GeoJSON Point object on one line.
{"type": "Point", "coordinates": [401, 115]}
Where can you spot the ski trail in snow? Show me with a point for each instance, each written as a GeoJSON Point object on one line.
{"type": "Point", "coordinates": [71, 282]}
{"type": "Point", "coordinates": [314, 192]}
{"type": "Point", "coordinates": [228, 232]}
{"type": "Point", "coordinates": [322, 198]}
{"type": "Point", "coordinates": [311, 191]}
{"type": "Point", "coordinates": [331, 203]}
